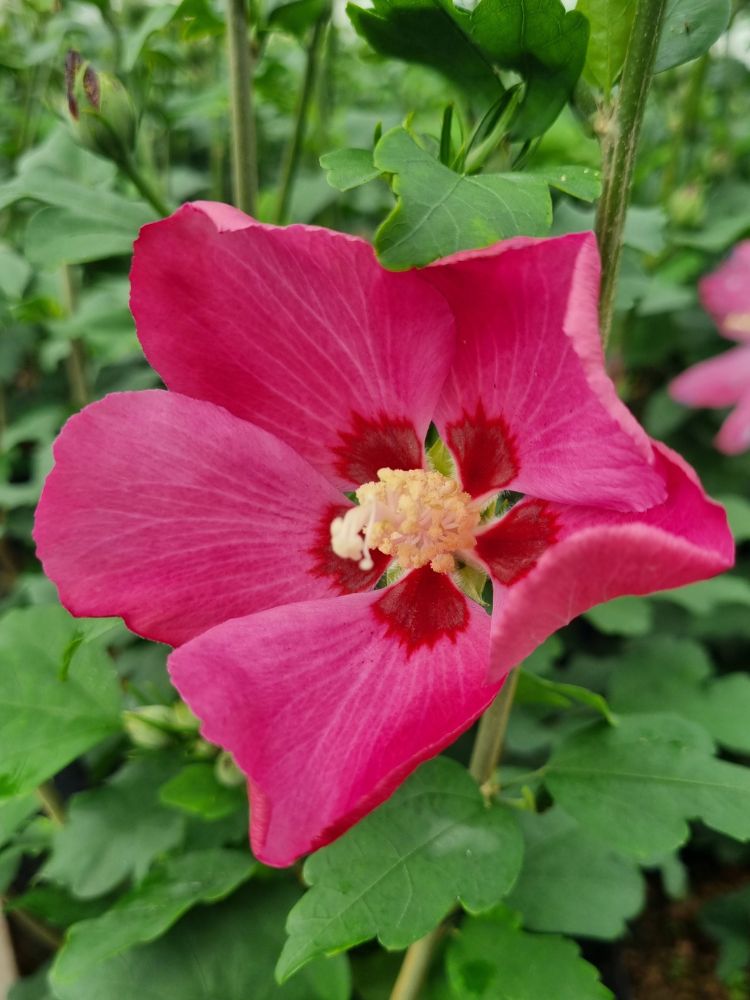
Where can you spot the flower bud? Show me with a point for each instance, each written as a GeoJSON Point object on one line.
{"type": "Point", "coordinates": [687, 205]}
{"type": "Point", "coordinates": [104, 119]}
{"type": "Point", "coordinates": [148, 726]}
{"type": "Point", "coordinates": [183, 719]}
{"type": "Point", "coordinates": [226, 771]}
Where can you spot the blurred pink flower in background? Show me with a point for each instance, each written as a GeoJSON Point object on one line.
{"type": "Point", "coordinates": [213, 516]}
{"type": "Point", "coordinates": [725, 380]}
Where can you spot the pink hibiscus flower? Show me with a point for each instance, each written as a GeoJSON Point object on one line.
{"type": "Point", "coordinates": [725, 380]}
{"type": "Point", "coordinates": [213, 516]}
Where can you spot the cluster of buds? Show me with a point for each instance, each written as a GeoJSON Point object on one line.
{"type": "Point", "coordinates": [104, 118]}
{"type": "Point", "coordinates": [153, 727]}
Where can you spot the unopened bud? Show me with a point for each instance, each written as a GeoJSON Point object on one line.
{"type": "Point", "coordinates": [183, 719]}
{"type": "Point", "coordinates": [226, 771]}
{"type": "Point", "coordinates": [202, 750]}
{"type": "Point", "coordinates": [149, 726]}
{"type": "Point", "coordinates": [104, 118]}
{"type": "Point", "coordinates": [687, 205]}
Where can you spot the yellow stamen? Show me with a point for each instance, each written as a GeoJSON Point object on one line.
{"type": "Point", "coordinates": [417, 516]}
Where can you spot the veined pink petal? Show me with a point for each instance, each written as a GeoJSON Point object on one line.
{"type": "Point", "coordinates": [528, 405]}
{"type": "Point", "coordinates": [726, 294]}
{"type": "Point", "coordinates": [296, 329]}
{"type": "Point", "coordinates": [720, 381]}
{"type": "Point", "coordinates": [329, 705]}
{"type": "Point", "coordinates": [561, 560]}
{"type": "Point", "coordinates": [177, 515]}
{"type": "Point", "coordinates": [734, 436]}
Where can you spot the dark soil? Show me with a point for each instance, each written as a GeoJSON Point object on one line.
{"type": "Point", "coordinates": [667, 956]}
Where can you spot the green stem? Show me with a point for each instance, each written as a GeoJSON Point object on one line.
{"type": "Point", "coordinates": [620, 144]}
{"type": "Point", "coordinates": [685, 135]}
{"type": "Point", "coordinates": [49, 938]}
{"type": "Point", "coordinates": [485, 756]}
{"type": "Point", "coordinates": [488, 745]}
{"type": "Point", "coordinates": [416, 965]}
{"type": "Point", "coordinates": [51, 802]}
{"type": "Point", "coordinates": [244, 142]}
{"type": "Point", "coordinates": [76, 361]}
{"type": "Point", "coordinates": [130, 167]}
{"type": "Point", "coordinates": [294, 149]}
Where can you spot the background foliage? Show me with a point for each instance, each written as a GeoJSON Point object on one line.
{"type": "Point", "coordinates": [624, 784]}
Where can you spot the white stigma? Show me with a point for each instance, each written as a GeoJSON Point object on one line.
{"type": "Point", "coordinates": [417, 516]}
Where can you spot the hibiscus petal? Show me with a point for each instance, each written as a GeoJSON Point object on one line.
{"type": "Point", "coordinates": [560, 560]}
{"type": "Point", "coordinates": [329, 705]}
{"type": "Point", "coordinates": [177, 515]}
{"type": "Point", "coordinates": [726, 294]}
{"type": "Point", "coordinates": [528, 405]}
{"type": "Point", "coordinates": [720, 381]}
{"type": "Point", "coordinates": [734, 436]}
{"type": "Point", "coordinates": [299, 330]}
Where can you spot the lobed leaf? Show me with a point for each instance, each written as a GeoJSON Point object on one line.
{"type": "Point", "coordinates": [401, 869]}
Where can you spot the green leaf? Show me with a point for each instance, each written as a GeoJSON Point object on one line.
{"type": "Point", "coordinates": [636, 785]}
{"type": "Point", "coordinates": [349, 168]}
{"type": "Point", "coordinates": [57, 236]}
{"type": "Point", "coordinates": [195, 790]}
{"type": "Point", "coordinates": [402, 868]}
{"type": "Point", "coordinates": [15, 812]}
{"type": "Point", "coordinates": [34, 987]}
{"type": "Point", "coordinates": [583, 183]}
{"type": "Point", "coordinates": [148, 911]}
{"type": "Point", "coordinates": [572, 883]}
{"type": "Point", "coordinates": [223, 952]}
{"type": "Point", "coordinates": [544, 43]}
{"type": "Point", "coordinates": [610, 22]}
{"type": "Point", "coordinates": [116, 831]}
{"type": "Point", "coordinates": [675, 675]}
{"type": "Point", "coordinates": [727, 920]}
{"type": "Point", "coordinates": [433, 33]}
{"type": "Point", "coordinates": [439, 212]}
{"type": "Point", "coordinates": [706, 597]}
{"type": "Point", "coordinates": [155, 19]}
{"type": "Point", "coordinates": [540, 690]}
{"type": "Point", "coordinates": [623, 616]}
{"type": "Point", "coordinates": [738, 512]}
{"type": "Point", "coordinates": [15, 272]}
{"type": "Point", "coordinates": [297, 16]}
{"type": "Point", "coordinates": [491, 958]}
{"type": "Point", "coordinates": [690, 29]}
{"type": "Point", "coordinates": [54, 906]}
{"type": "Point", "coordinates": [46, 722]}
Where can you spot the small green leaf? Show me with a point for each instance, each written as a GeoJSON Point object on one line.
{"type": "Point", "coordinates": [402, 868]}
{"type": "Point", "coordinates": [690, 29]}
{"type": "Point", "coordinates": [148, 911]}
{"type": "Point", "coordinates": [727, 920]}
{"type": "Point", "coordinates": [738, 512]}
{"type": "Point", "coordinates": [623, 616]}
{"type": "Point", "coordinates": [583, 183]}
{"type": "Point", "coordinates": [13, 813]}
{"type": "Point", "coordinates": [195, 790]}
{"type": "Point", "coordinates": [636, 785]}
{"type": "Point", "coordinates": [46, 722]}
{"type": "Point", "coordinates": [572, 883]}
{"type": "Point", "coordinates": [544, 43]}
{"type": "Point", "coordinates": [439, 212]}
{"type": "Point", "coordinates": [491, 958]}
{"type": "Point", "coordinates": [610, 22]}
{"type": "Point", "coordinates": [116, 831]}
{"type": "Point", "coordinates": [349, 168]}
{"type": "Point", "coordinates": [540, 690]}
